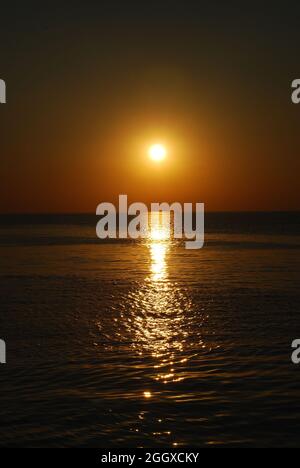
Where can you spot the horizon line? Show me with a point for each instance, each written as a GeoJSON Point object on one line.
{"type": "Point", "coordinates": [89, 213]}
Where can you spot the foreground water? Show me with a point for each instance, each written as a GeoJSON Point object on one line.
{"type": "Point", "coordinates": [146, 344]}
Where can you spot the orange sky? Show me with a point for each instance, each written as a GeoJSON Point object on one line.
{"type": "Point", "coordinates": [86, 97]}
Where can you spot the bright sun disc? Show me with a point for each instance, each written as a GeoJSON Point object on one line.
{"type": "Point", "coordinates": [157, 152]}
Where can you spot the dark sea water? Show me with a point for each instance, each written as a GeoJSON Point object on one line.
{"type": "Point", "coordinates": [145, 343]}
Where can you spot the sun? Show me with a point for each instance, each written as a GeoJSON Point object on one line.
{"type": "Point", "coordinates": [157, 152]}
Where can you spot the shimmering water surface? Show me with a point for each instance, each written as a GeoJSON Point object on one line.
{"type": "Point", "coordinates": [145, 343]}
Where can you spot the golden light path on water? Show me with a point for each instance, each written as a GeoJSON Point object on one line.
{"type": "Point", "coordinates": [159, 244]}
{"type": "Point", "coordinates": [160, 311]}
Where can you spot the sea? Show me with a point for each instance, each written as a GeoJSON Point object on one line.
{"type": "Point", "coordinates": [144, 343]}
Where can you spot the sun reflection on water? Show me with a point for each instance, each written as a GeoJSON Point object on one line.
{"type": "Point", "coordinates": [160, 310]}
{"type": "Point", "coordinates": [158, 261]}
{"type": "Point", "coordinates": [158, 242]}
{"type": "Point", "coordinates": [156, 331]}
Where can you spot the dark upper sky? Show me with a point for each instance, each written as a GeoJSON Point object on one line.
{"type": "Point", "coordinates": [91, 84]}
